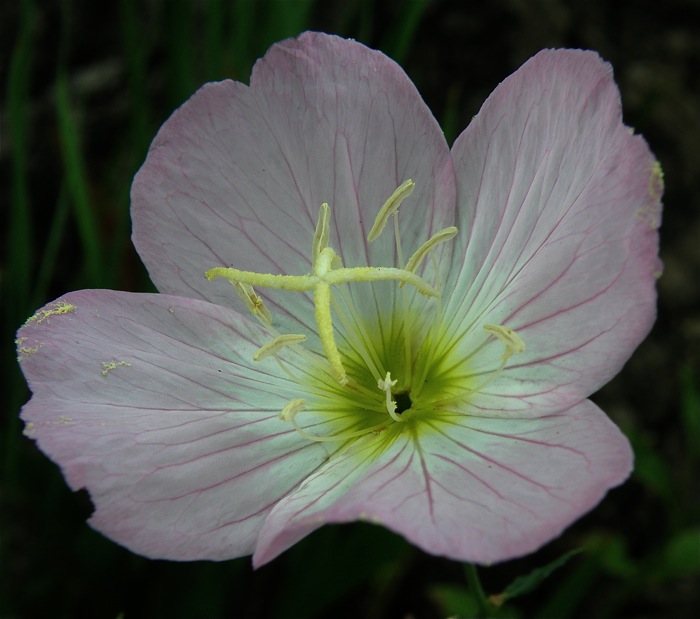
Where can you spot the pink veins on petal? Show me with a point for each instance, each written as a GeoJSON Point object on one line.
{"type": "Point", "coordinates": [356, 322]}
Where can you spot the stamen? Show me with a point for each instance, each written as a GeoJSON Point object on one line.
{"type": "Point", "coordinates": [273, 347]}
{"type": "Point", "coordinates": [327, 271]}
{"type": "Point", "coordinates": [292, 376]}
{"type": "Point", "coordinates": [253, 302]}
{"type": "Point", "coordinates": [386, 385]}
{"type": "Point", "coordinates": [514, 346]}
{"type": "Point", "coordinates": [439, 237]}
{"type": "Point", "coordinates": [397, 239]}
{"type": "Point", "coordinates": [321, 234]}
{"type": "Point", "coordinates": [293, 408]}
{"type": "Point", "coordinates": [434, 337]}
{"type": "Point", "coordinates": [390, 206]}
{"type": "Point", "coordinates": [509, 338]}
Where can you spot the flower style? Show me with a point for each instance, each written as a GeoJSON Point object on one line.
{"type": "Point", "coordinates": [388, 330]}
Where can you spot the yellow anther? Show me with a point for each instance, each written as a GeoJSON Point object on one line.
{"type": "Point", "coordinates": [321, 234]}
{"type": "Point", "coordinates": [292, 409]}
{"type": "Point", "coordinates": [273, 347]}
{"type": "Point", "coordinates": [390, 206]}
{"type": "Point", "coordinates": [439, 237]}
{"type": "Point", "coordinates": [252, 301]}
{"type": "Point", "coordinates": [509, 338]}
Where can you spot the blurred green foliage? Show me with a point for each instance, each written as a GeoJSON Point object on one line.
{"type": "Point", "coordinates": [86, 88]}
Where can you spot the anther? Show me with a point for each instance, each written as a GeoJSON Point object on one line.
{"type": "Point", "coordinates": [253, 302]}
{"type": "Point", "coordinates": [273, 347]}
{"type": "Point", "coordinates": [390, 206]}
{"type": "Point", "coordinates": [321, 234]}
{"type": "Point", "coordinates": [510, 339]}
{"type": "Point", "coordinates": [439, 237]}
{"type": "Point", "coordinates": [291, 410]}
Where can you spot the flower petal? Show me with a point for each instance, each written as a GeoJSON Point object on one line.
{"type": "Point", "coordinates": [236, 177]}
{"type": "Point", "coordinates": [471, 489]}
{"type": "Point", "coordinates": [152, 403]}
{"type": "Point", "coordinates": [559, 203]}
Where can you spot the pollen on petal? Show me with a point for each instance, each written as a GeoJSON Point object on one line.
{"type": "Point", "coordinates": [54, 309]}
{"type": "Point", "coordinates": [650, 212]}
{"type": "Point", "coordinates": [23, 350]}
{"type": "Point", "coordinates": [108, 366]}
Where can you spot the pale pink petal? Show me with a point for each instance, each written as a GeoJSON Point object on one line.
{"type": "Point", "coordinates": [474, 489]}
{"type": "Point", "coordinates": [236, 177]}
{"type": "Point", "coordinates": [558, 206]}
{"type": "Point", "coordinates": [152, 403]}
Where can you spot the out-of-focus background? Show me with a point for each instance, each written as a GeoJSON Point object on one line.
{"type": "Point", "coordinates": [85, 86]}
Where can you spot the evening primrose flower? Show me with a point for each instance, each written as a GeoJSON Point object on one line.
{"type": "Point", "coordinates": [356, 322]}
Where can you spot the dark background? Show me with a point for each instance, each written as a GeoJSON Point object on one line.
{"type": "Point", "coordinates": [85, 85]}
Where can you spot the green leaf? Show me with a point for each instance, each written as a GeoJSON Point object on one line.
{"type": "Point", "coordinates": [650, 468]}
{"type": "Point", "coordinates": [454, 600]}
{"type": "Point", "coordinates": [690, 411]}
{"type": "Point", "coordinates": [681, 556]}
{"type": "Point", "coordinates": [614, 556]}
{"type": "Point", "coordinates": [526, 584]}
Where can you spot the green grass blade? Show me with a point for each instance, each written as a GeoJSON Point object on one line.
{"type": "Point", "coordinates": [19, 231]}
{"type": "Point", "coordinates": [135, 58]}
{"type": "Point", "coordinates": [404, 29]}
{"type": "Point", "coordinates": [179, 16]}
{"type": "Point", "coordinates": [690, 411]}
{"type": "Point", "coordinates": [286, 19]}
{"type": "Point", "coordinates": [214, 22]}
{"type": "Point", "coordinates": [241, 51]}
{"type": "Point", "coordinates": [76, 179]}
{"type": "Point", "coordinates": [57, 228]}
{"type": "Point", "coordinates": [20, 242]}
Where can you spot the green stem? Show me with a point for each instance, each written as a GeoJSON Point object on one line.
{"type": "Point", "coordinates": [485, 607]}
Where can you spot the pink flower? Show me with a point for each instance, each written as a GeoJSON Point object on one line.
{"type": "Point", "coordinates": [432, 379]}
